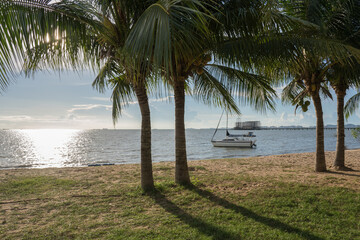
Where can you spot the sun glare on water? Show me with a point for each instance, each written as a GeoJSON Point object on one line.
{"type": "Point", "coordinates": [48, 147]}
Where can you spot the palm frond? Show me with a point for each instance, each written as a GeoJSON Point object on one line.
{"type": "Point", "coordinates": [252, 89]}
{"type": "Point", "coordinates": [210, 91]}
{"type": "Point", "coordinates": [108, 71]}
{"type": "Point", "coordinates": [45, 26]}
{"type": "Point", "coordinates": [168, 33]}
{"type": "Point", "coordinates": [324, 90]}
{"type": "Point", "coordinates": [352, 105]}
{"type": "Point", "coordinates": [122, 95]}
{"type": "Point", "coordinates": [293, 92]}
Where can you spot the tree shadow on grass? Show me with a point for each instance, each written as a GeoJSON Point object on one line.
{"type": "Point", "coordinates": [345, 173]}
{"type": "Point", "coordinates": [209, 229]}
{"type": "Point", "coordinates": [273, 223]}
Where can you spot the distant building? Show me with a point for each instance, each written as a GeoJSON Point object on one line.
{"type": "Point", "coordinates": [248, 125]}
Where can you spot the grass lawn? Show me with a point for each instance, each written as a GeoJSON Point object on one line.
{"type": "Point", "coordinates": [254, 198]}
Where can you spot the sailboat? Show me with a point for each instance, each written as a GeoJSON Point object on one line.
{"type": "Point", "coordinates": [234, 140]}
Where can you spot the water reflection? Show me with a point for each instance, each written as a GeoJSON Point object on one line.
{"type": "Point", "coordinates": [47, 147]}
{"type": "Point", "coordinates": [66, 148]}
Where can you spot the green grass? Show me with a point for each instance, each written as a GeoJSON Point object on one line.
{"type": "Point", "coordinates": [214, 207]}
{"type": "Point", "coordinates": [25, 186]}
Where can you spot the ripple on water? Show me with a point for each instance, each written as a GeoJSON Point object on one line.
{"type": "Point", "coordinates": [68, 148]}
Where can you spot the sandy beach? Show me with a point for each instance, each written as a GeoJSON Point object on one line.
{"type": "Point", "coordinates": [297, 167]}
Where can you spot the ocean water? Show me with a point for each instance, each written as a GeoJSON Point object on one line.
{"type": "Point", "coordinates": [42, 148]}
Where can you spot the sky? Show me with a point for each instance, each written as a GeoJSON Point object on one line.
{"type": "Point", "coordinates": [51, 100]}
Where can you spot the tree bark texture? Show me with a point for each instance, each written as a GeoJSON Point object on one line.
{"type": "Point", "coordinates": [181, 167]}
{"type": "Point", "coordinates": [340, 143]}
{"type": "Point", "coordinates": [320, 164]}
{"type": "Point", "coordinates": [147, 181]}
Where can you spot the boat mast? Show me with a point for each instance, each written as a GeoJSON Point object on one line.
{"type": "Point", "coordinates": [217, 126]}
{"type": "Point", "coordinates": [227, 118]}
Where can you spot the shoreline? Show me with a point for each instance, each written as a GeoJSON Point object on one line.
{"type": "Point", "coordinates": [284, 166]}
{"type": "Point", "coordinates": [26, 167]}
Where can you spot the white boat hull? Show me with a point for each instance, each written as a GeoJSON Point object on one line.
{"type": "Point", "coordinates": [240, 144]}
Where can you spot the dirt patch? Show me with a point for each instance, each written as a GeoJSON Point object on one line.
{"type": "Point", "coordinates": [297, 167]}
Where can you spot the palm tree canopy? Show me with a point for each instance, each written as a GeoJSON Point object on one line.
{"type": "Point", "coordinates": [182, 39]}
{"type": "Point", "coordinates": [71, 35]}
{"type": "Point", "coordinates": [86, 33]}
{"type": "Point", "coordinates": [337, 31]}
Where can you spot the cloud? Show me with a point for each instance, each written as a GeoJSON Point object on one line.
{"type": "Point", "coordinates": [16, 118]}
{"type": "Point", "coordinates": [83, 112]}
{"type": "Point", "coordinates": [86, 111]}
{"type": "Point", "coordinates": [310, 114]}
{"type": "Point", "coordinates": [106, 99]}
{"type": "Point", "coordinates": [164, 99]}
{"type": "Point", "coordinates": [123, 112]}
{"type": "Point", "coordinates": [154, 100]}
{"type": "Point", "coordinates": [103, 99]}
{"type": "Point", "coordinates": [292, 118]}
{"type": "Point", "coordinates": [86, 107]}
{"type": "Point", "coordinates": [287, 119]}
{"type": "Point", "coordinates": [71, 117]}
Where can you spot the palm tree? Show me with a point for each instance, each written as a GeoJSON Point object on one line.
{"type": "Point", "coordinates": [344, 76]}
{"type": "Point", "coordinates": [351, 106]}
{"type": "Point", "coordinates": [182, 40]}
{"type": "Point", "coordinates": [311, 77]}
{"type": "Point", "coordinates": [68, 34]}
{"type": "Point", "coordinates": [341, 78]}
{"type": "Point", "coordinates": [313, 66]}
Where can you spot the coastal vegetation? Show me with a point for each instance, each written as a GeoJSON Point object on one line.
{"type": "Point", "coordinates": [109, 37]}
{"type": "Point", "coordinates": [184, 43]}
{"type": "Point", "coordinates": [211, 51]}
{"type": "Point", "coordinates": [221, 53]}
{"type": "Point", "coordinates": [274, 197]}
{"type": "Point", "coordinates": [104, 27]}
{"type": "Point", "coordinates": [343, 75]}
{"type": "Point", "coordinates": [333, 23]}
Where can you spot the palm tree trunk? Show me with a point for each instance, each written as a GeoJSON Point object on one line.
{"type": "Point", "coordinates": [340, 143]}
{"type": "Point", "coordinates": [181, 167]}
{"type": "Point", "coordinates": [147, 181]}
{"type": "Point", "coordinates": [320, 164]}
